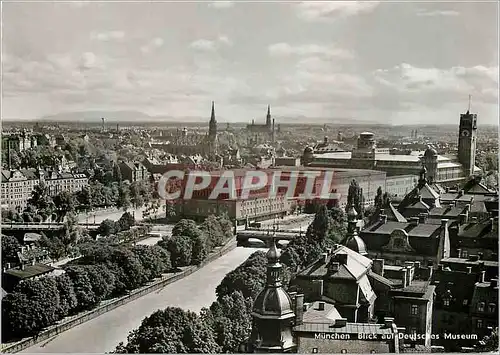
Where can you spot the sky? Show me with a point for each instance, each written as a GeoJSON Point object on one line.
{"type": "Point", "coordinates": [384, 62]}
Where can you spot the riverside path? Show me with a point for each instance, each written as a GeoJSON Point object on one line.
{"type": "Point", "coordinates": [103, 333]}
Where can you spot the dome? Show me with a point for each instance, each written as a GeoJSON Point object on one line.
{"type": "Point", "coordinates": [273, 302]}
{"type": "Point", "coordinates": [273, 254]}
{"type": "Point", "coordinates": [357, 244]}
{"type": "Point", "coordinates": [352, 214]}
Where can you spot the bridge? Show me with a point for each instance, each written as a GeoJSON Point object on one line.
{"type": "Point", "coordinates": [44, 226]}
{"type": "Point", "coordinates": [243, 236]}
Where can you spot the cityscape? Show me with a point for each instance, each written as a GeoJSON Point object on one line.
{"type": "Point", "coordinates": [249, 177]}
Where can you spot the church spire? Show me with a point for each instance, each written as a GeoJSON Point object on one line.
{"type": "Point", "coordinates": [268, 116]}
{"type": "Point", "coordinates": [212, 116]}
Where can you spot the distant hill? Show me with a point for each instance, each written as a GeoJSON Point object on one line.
{"type": "Point", "coordinates": [95, 116]}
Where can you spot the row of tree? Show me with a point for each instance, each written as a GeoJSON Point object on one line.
{"type": "Point", "coordinates": [105, 271]}
{"type": "Point", "coordinates": [226, 324]}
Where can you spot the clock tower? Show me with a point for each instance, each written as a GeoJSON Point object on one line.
{"type": "Point", "coordinates": [467, 141]}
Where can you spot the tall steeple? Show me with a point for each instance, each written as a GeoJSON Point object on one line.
{"type": "Point", "coordinates": [268, 116]}
{"type": "Point", "coordinates": [212, 126]}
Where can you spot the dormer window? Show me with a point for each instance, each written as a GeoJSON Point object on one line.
{"type": "Point", "coordinates": [446, 302]}
{"type": "Point", "coordinates": [491, 308]}
{"type": "Point", "coordinates": [480, 307]}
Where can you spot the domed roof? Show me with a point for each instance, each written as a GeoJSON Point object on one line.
{"type": "Point", "coordinates": [273, 254]}
{"type": "Point", "coordinates": [273, 302]}
{"type": "Point", "coordinates": [430, 152]}
{"type": "Point", "coordinates": [352, 214]}
{"type": "Point", "coordinates": [357, 244]}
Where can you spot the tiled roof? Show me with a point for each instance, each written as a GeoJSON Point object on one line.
{"type": "Point", "coordinates": [328, 315]}
{"type": "Point", "coordinates": [30, 271]}
{"type": "Point", "coordinates": [423, 230]}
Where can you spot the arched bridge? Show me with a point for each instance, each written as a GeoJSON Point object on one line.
{"type": "Point", "coordinates": [243, 236]}
{"type": "Point", "coordinates": [45, 226]}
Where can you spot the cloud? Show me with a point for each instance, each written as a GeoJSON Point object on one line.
{"type": "Point", "coordinates": [285, 49]}
{"type": "Point", "coordinates": [436, 87]}
{"type": "Point", "coordinates": [107, 36]}
{"type": "Point", "coordinates": [152, 45]}
{"type": "Point", "coordinates": [206, 45]}
{"type": "Point", "coordinates": [435, 13]}
{"type": "Point", "coordinates": [221, 4]}
{"type": "Point", "coordinates": [317, 11]}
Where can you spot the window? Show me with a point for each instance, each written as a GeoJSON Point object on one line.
{"type": "Point", "coordinates": [480, 306]}
{"type": "Point", "coordinates": [491, 308]}
{"type": "Point", "coordinates": [414, 309]}
{"type": "Point", "coordinates": [466, 301]}
{"type": "Point", "coordinates": [479, 323]}
{"type": "Point", "coordinates": [446, 302]}
{"type": "Point", "coordinates": [413, 330]}
{"type": "Point", "coordinates": [465, 254]}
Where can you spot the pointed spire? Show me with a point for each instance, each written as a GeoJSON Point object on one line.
{"type": "Point", "coordinates": [268, 116]}
{"type": "Point", "coordinates": [212, 116]}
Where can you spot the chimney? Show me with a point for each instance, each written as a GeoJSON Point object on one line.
{"type": "Point", "coordinates": [444, 222]}
{"type": "Point", "coordinates": [22, 266]}
{"type": "Point", "coordinates": [388, 322]}
{"type": "Point", "coordinates": [340, 322]}
{"type": "Point", "coordinates": [404, 277]}
{"type": "Point", "coordinates": [32, 262]}
{"type": "Point", "coordinates": [482, 276]}
{"type": "Point", "coordinates": [299, 309]}
{"type": "Point", "coordinates": [440, 267]}
{"type": "Point", "coordinates": [7, 266]}
{"type": "Point", "coordinates": [321, 306]}
{"type": "Point", "coordinates": [480, 256]}
{"type": "Point", "coordinates": [305, 307]}
{"type": "Point", "coordinates": [378, 266]}
{"type": "Point", "coordinates": [459, 252]}
{"type": "Point", "coordinates": [417, 265]}
{"type": "Point", "coordinates": [469, 269]}
{"type": "Point", "coordinates": [333, 267]}
{"type": "Point", "coordinates": [383, 218]}
{"type": "Point", "coordinates": [324, 258]}
{"type": "Point", "coordinates": [409, 275]}
{"type": "Point", "coordinates": [462, 218]}
{"type": "Point", "coordinates": [494, 283]}
{"type": "Point", "coordinates": [422, 217]}
{"type": "Point", "coordinates": [341, 258]}
{"type": "Point", "coordinates": [494, 225]}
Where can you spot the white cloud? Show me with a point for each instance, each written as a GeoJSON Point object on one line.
{"type": "Point", "coordinates": [285, 49]}
{"type": "Point", "coordinates": [314, 10]}
{"type": "Point", "coordinates": [152, 45]}
{"type": "Point", "coordinates": [207, 45]}
{"type": "Point", "coordinates": [107, 36]}
{"type": "Point", "coordinates": [221, 4]}
{"type": "Point", "coordinates": [437, 87]}
{"type": "Point", "coordinates": [438, 13]}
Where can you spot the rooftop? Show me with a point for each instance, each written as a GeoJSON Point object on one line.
{"type": "Point", "coordinates": [30, 271]}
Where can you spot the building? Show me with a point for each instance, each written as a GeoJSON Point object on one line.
{"type": "Point", "coordinates": [134, 171]}
{"type": "Point", "coordinates": [17, 185]}
{"type": "Point", "coordinates": [341, 278]}
{"type": "Point", "coordinates": [465, 301]}
{"type": "Point", "coordinates": [18, 141]}
{"type": "Point", "coordinates": [185, 143]}
{"type": "Point", "coordinates": [400, 185]}
{"type": "Point", "coordinates": [283, 323]}
{"type": "Point", "coordinates": [474, 237]}
{"type": "Point", "coordinates": [262, 132]}
{"type": "Point", "coordinates": [442, 169]}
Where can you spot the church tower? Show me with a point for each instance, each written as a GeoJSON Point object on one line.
{"type": "Point", "coordinates": [212, 131]}
{"type": "Point", "coordinates": [273, 314]}
{"type": "Point", "coordinates": [467, 141]}
{"type": "Point", "coordinates": [268, 116]}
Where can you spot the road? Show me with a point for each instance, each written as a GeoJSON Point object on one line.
{"type": "Point", "coordinates": [113, 215]}
{"type": "Point", "coordinates": [103, 333]}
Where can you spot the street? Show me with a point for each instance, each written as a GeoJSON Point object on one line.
{"type": "Point", "coordinates": [103, 333]}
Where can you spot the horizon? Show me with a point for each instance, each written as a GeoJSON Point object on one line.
{"type": "Point", "coordinates": [307, 60]}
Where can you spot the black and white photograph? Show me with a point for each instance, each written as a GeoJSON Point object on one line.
{"type": "Point", "coordinates": [249, 176]}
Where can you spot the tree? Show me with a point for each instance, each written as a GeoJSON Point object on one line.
{"type": "Point", "coordinates": [249, 278]}
{"type": "Point", "coordinates": [321, 227]}
{"type": "Point", "coordinates": [83, 287]}
{"type": "Point", "coordinates": [123, 200]}
{"type": "Point", "coordinates": [186, 227]}
{"type": "Point", "coordinates": [230, 319]}
{"type": "Point", "coordinates": [171, 330]}
{"type": "Point", "coordinates": [101, 279]}
{"type": "Point", "coordinates": [354, 197]}
{"type": "Point", "coordinates": [107, 228]}
{"type": "Point", "coordinates": [213, 230]}
{"type": "Point", "coordinates": [125, 222]}
{"type": "Point", "coordinates": [117, 173]}
{"type": "Point", "coordinates": [200, 249]}
{"type": "Point", "coordinates": [379, 200]}
{"type": "Point", "coordinates": [19, 318]}
{"type": "Point", "coordinates": [65, 203]}
{"type": "Point", "coordinates": [67, 297]}
{"type": "Point", "coordinates": [180, 248]}
{"type": "Point", "coordinates": [41, 200]}
{"type": "Point", "coordinates": [154, 259]}
{"type": "Point", "coordinates": [44, 296]}
{"type": "Point", "coordinates": [10, 248]}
